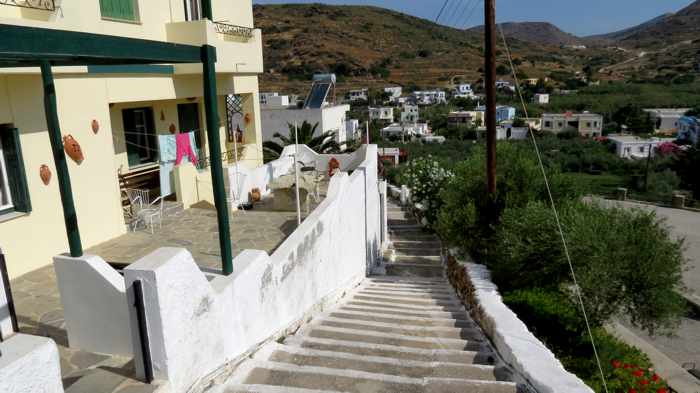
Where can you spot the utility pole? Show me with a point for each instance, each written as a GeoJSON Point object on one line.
{"type": "Point", "coordinates": [490, 87]}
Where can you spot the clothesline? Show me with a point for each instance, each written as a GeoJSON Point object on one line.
{"type": "Point", "coordinates": [172, 161]}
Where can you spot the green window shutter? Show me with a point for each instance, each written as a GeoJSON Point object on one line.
{"type": "Point", "coordinates": [118, 9]}
{"type": "Point", "coordinates": [15, 170]}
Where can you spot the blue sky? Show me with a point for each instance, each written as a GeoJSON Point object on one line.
{"type": "Point", "coordinates": [581, 17]}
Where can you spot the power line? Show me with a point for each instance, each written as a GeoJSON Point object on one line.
{"type": "Point", "coordinates": [555, 211]}
{"type": "Point", "coordinates": [441, 10]}
{"type": "Point", "coordinates": [476, 6]}
{"type": "Point", "coordinates": [457, 17]}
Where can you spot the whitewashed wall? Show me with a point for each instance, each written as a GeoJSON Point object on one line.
{"type": "Point", "coordinates": [197, 325]}
{"type": "Point", "coordinates": [30, 364]}
{"type": "Point", "coordinates": [198, 322]}
{"type": "Point", "coordinates": [94, 305]}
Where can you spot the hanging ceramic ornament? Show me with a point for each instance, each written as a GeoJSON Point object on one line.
{"type": "Point", "coordinates": [172, 128]}
{"type": "Point", "coordinates": [45, 174]}
{"type": "Point", "coordinates": [72, 148]}
{"type": "Point", "coordinates": [95, 126]}
{"type": "Point", "coordinates": [247, 118]}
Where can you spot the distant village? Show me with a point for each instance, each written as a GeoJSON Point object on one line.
{"type": "Point", "coordinates": [399, 117]}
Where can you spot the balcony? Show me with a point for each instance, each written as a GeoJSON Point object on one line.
{"type": "Point", "coordinates": [238, 48]}
{"type": "Point", "coordinates": [45, 5]}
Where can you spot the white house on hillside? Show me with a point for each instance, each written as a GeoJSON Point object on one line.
{"type": "Point", "coordinates": [394, 93]}
{"type": "Point", "coordinates": [634, 147]}
{"type": "Point", "coordinates": [665, 119]}
{"type": "Point", "coordinates": [430, 97]}
{"type": "Point", "coordinates": [541, 99]}
{"type": "Point", "coordinates": [410, 114]}
{"type": "Point", "coordinates": [358, 95]}
{"type": "Point", "coordinates": [384, 113]}
{"type": "Point", "coordinates": [277, 115]}
{"type": "Point", "coordinates": [587, 124]}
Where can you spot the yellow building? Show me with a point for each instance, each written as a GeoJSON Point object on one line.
{"type": "Point", "coordinates": [115, 113]}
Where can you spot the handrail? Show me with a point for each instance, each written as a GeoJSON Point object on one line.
{"type": "Point", "coordinates": [233, 30]}
{"type": "Point", "coordinates": [45, 5]}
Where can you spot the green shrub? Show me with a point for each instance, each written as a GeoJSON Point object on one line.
{"type": "Point", "coordinates": [625, 261]}
{"type": "Point", "coordinates": [557, 321]}
{"type": "Point", "coordinates": [464, 219]}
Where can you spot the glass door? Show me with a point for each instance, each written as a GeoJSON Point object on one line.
{"type": "Point", "coordinates": [140, 136]}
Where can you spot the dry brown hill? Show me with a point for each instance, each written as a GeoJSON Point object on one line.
{"type": "Point", "coordinates": [371, 46]}
{"type": "Point", "coordinates": [536, 32]}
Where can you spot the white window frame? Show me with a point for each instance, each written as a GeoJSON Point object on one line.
{"type": "Point", "coordinates": [4, 182]}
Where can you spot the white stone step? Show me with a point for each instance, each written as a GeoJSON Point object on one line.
{"type": "Point", "coordinates": [380, 365]}
{"type": "Point", "coordinates": [466, 333]}
{"type": "Point", "coordinates": [233, 388]}
{"type": "Point", "coordinates": [389, 311]}
{"type": "Point", "coordinates": [411, 299]}
{"type": "Point", "coordinates": [308, 377]}
{"type": "Point", "coordinates": [371, 291]}
{"type": "Point", "coordinates": [372, 337]}
{"type": "Point", "coordinates": [413, 270]}
{"type": "Point", "coordinates": [404, 307]}
{"type": "Point", "coordinates": [399, 319]}
{"type": "Point", "coordinates": [482, 355]}
{"type": "Point", "coordinates": [411, 289]}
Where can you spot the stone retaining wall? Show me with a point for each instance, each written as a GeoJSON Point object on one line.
{"type": "Point", "coordinates": [528, 356]}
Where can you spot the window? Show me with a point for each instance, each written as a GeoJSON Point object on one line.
{"type": "Point", "coordinates": [125, 10]}
{"type": "Point", "coordinates": [641, 149]}
{"type": "Point", "coordinates": [588, 124]}
{"type": "Point", "coordinates": [548, 124]}
{"type": "Point", "coordinates": [14, 195]}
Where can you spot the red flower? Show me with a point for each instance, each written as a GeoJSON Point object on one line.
{"type": "Point", "coordinates": [628, 365]}
{"type": "Point", "coordinates": [638, 373]}
{"type": "Point", "coordinates": [616, 364]}
{"type": "Point", "coordinates": [632, 390]}
{"type": "Point", "coordinates": [662, 390]}
{"type": "Point", "coordinates": [644, 382]}
{"type": "Point", "coordinates": [655, 378]}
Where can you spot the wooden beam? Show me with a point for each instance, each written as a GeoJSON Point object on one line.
{"type": "Point", "coordinates": [59, 157]}
{"type": "Point", "coordinates": [490, 86]}
{"type": "Point", "coordinates": [29, 46]}
{"type": "Point", "coordinates": [217, 172]}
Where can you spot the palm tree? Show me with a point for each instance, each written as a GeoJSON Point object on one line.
{"type": "Point", "coordinates": [322, 144]}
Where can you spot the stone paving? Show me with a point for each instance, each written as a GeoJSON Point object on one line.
{"type": "Point", "coordinates": [38, 302]}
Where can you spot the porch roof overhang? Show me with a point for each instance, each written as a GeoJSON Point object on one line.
{"type": "Point", "coordinates": [24, 46]}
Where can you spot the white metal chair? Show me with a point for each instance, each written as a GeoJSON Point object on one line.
{"type": "Point", "coordinates": [150, 215]}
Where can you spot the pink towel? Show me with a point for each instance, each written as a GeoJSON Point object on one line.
{"type": "Point", "coordinates": [184, 148]}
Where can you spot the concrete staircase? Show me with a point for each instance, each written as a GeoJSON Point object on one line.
{"type": "Point", "coordinates": [404, 332]}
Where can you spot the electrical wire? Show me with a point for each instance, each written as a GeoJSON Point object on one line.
{"type": "Point", "coordinates": [441, 10]}
{"type": "Point", "coordinates": [468, 4]}
{"type": "Point", "coordinates": [456, 15]}
{"type": "Point", "coordinates": [555, 211]}
{"type": "Point", "coordinates": [476, 7]}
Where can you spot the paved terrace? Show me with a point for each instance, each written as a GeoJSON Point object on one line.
{"type": "Point", "coordinates": [38, 302]}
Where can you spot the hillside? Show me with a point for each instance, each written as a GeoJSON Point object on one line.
{"type": "Point", "coordinates": [375, 47]}
{"type": "Point", "coordinates": [664, 30]}
{"type": "Point", "coordinates": [626, 33]}
{"type": "Point", "coordinates": [370, 46]}
{"type": "Point", "coordinates": [536, 32]}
